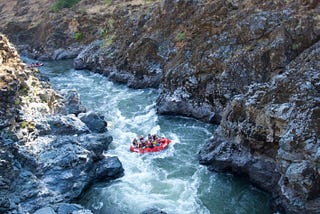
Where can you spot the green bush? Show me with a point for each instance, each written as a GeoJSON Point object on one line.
{"type": "Point", "coordinates": [59, 4]}
{"type": "Point", "coordinates": [181, 36]}
{"type": "Point", "coordinates": [295, 46]}
{"type": "Point", "coordinates": [104, 33]}
{"type": "Point", "coordinates": [108, 2]}
{"type": "Point", "coordinates": [78, 36]}
{"type": "Point", "coordinates": [108, 40]}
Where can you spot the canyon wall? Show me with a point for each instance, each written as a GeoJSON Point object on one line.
{"type": "Point", "coordinates": [250, 66]}
{"type": "Point", "coordinates": [51, 148]}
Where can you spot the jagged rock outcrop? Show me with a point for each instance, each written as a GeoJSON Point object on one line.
{"type": "Point", "coordinates": [50, 149]}
{"type": "Point", "coordinates": [202, 53]}
{"type": "Point", "coordinates": [272, 134]}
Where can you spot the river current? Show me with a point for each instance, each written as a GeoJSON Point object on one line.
{"type": "Point", "coordinates": [171, 180]}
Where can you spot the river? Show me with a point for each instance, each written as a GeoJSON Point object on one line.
{"type": "Point", "coordinates": [170, 180]}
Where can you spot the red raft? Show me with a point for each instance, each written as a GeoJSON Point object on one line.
{"type": "Point", "coordinates": [161, 145]}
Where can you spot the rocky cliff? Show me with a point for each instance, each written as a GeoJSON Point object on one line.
{"type": "Point", "coordinates": [51, 149]}
{"type": "Point", "coordinates": [202, 53]}
{"type": "Point", "coordinates": [272, 134]}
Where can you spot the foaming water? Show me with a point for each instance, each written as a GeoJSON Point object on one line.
{"type": "Point", "coordinates": [171, 180]}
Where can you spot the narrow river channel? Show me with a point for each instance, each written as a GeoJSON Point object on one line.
{"type": "Point", "coordinates": [171, 180]}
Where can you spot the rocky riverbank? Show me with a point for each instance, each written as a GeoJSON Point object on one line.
{"type": "Point", "coordinates": [51, 147]}
{"type": "Point", "coordinates": [272, 134]}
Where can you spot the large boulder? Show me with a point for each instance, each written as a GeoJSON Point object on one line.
{"type": "Point", "coordinates": [70, 102]}
{"type": "Point", "coordinates": [94, 121]}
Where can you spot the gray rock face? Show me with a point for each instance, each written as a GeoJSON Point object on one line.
{"type": "Point", "coordinates": [57, 165]}
{"type": "Point", "coordinates": [48, 155]}
{"type": "Point", "coordinates": [109, 168]}
{"type": "Point", "coordinates": [94, 121]}
{"type": "Point", "coordinates": [45, 210]}
{"type": "Point", "coordinates": [70, 103]}
{"type": "Point", "coordinates": [69, 53]}
{"type": "Point", "coordinates": [200, 60]}
{"type": "Point", "coordinates": [63, 209]}
{"type": "Point", "coordinates": [88, 57]}
{"type": "Point", "coordinates": [272, 134]}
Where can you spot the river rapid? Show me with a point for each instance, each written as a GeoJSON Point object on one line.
{"type": "Point", "coordinates": [171, 180]}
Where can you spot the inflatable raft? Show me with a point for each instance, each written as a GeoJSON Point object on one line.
{"type": "Point", "coordinates": [160, 145]}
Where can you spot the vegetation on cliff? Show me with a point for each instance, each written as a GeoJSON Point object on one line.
{"type": "Point", "coordinates": [59, 4]}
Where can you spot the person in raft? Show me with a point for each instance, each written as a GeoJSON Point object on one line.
{"type": "Point", "coordinates": [148, 143]}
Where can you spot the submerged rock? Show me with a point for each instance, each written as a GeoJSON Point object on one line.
{"type": "Point", "coordinates": [153, 211]}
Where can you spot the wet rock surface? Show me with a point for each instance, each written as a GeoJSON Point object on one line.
{"type": "Point", "coordinates": [49, 154]}
{"type": "Point", "coordinates": [153, 211]}
{"type": "Point", "coordinates": [63, 208]}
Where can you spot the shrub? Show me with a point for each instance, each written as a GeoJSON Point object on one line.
{"type": "Point", "coordinates": [295, 46]}
{"type": "Point", "coordinates": [78, 36]}
{"type": "Point", "coordinates": [111, 24]}
{"type": "Point", "coordinates": [108, 40]}
{"type": "Point", "coordinates": [17, 102]}
{"type": "Point", "coordinates": [104, 33]}
{"type": "Point", "coordinates": [59, 4]}
{"type": "Point", "coordinates": [108, 2]}
{"type": "Point", "coordinates": [181, 36]}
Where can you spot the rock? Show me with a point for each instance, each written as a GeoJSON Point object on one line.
{"type": "Point", "coordinates": [45, 210]}
{"type": "Point", "coordinates": [97, 143]}
{"type": "Point", "coordinates": [82, 212]}
{"type": "Point", "coordinates": [234, 62]}
{"type": "Point", "coordinates": [109, 168]}
{"type": "Point", "coordinates": [70, 53]}
{"type": "Point", "coordinates": [64, 208]}
{"type": "Point", "coordinates": [70, 103]}
{"type": "Point", "coordinates": [67, 125]}
{"type": "Point", "coordinates": [88, 56]}
{"type": "Point", "coordinates": [68, 208]}
{"type": "Point", "coordinates": [94, 121]}
{"type": "Point", "coordinates": [153, 211]}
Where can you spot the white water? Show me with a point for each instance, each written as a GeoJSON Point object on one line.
{"type": "Point", "coordinates": [171, 180]}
